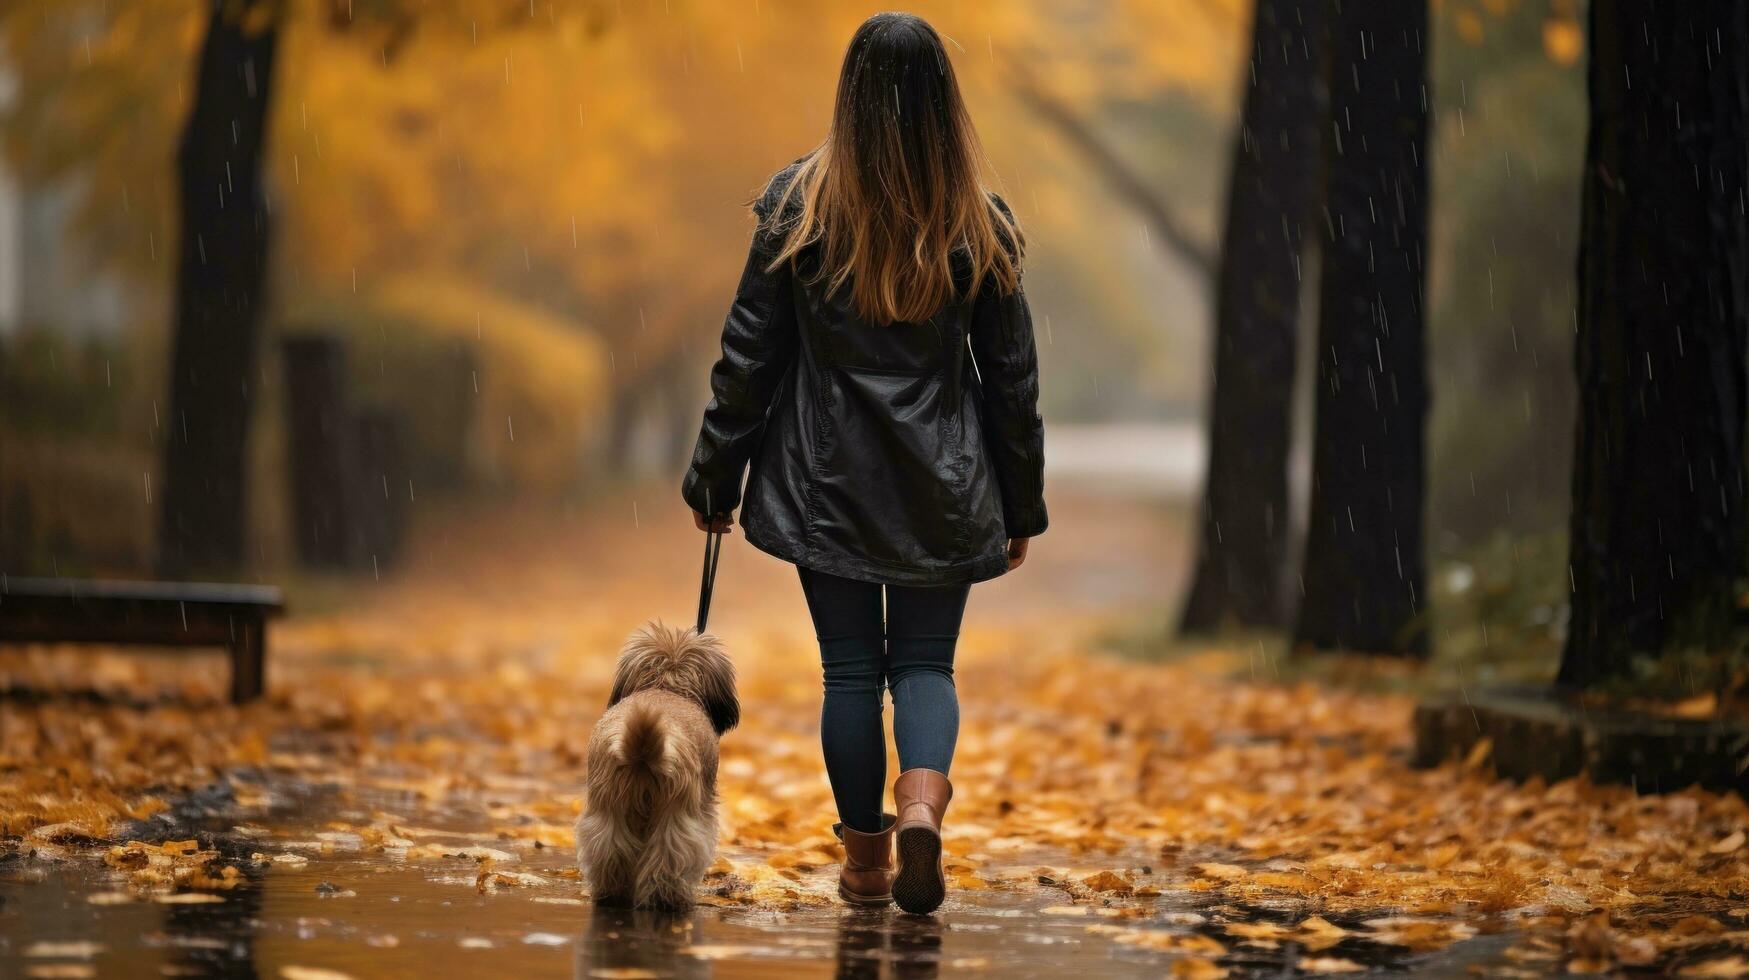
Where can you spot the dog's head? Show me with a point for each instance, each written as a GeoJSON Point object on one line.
{"type": "Point", "coordinates": [684, 661]}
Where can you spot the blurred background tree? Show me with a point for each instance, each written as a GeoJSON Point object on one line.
{"type": "Point", "coordinates": [1362, 580]}
{"type": "Point", "coordinates": [575, 164]}
{"type": "Point", "coordinates": [224, 234]}
{"type": "Point", "coordinates": [1272, 195]}
{"type": "Point", "coordinates": [525, 221]}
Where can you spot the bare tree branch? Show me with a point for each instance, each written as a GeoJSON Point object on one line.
{"type": "Point", "coordinates": [1154, 208]}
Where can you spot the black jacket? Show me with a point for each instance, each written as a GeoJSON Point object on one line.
{"type": "Point", "coordinates": [897, 453]}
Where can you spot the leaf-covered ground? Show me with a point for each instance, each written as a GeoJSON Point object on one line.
{"type": "Point", "coordinates": [1195, 814]}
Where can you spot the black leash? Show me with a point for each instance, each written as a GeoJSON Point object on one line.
{"type": "Point", "coordinates": [713, 550]}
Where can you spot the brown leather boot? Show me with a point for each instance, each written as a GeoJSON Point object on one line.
{"type": "Point", "coordinates": [866, 877]}
{"type": "Point", "coordinates": [920, 796]}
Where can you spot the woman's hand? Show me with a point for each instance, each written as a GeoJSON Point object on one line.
{"type": "Point", "coordinates": [1017, 552]}
{"type": "Point", "coordinates": [721, 523]}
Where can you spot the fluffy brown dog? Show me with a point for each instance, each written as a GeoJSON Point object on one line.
{"type": "Point", "coordinates": [649, 828]}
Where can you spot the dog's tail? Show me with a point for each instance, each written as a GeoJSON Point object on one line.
{"type": "Point", "coordinates": [651, 758]}
{"type": "Point", "coordinates": [643, 742]}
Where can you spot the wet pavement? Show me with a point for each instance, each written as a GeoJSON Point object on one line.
{"type": "Point", "coordinates": [320, 900]}
{"type": "Point", "coordinates": [395, 922]}
{"type": "Point", "coordinates": [414, 828]}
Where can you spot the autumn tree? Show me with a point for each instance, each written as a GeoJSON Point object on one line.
{"type": "Point", "coordinates": [223, 238]}
{"type": "Point", "coordinates": [1242, 552]}
{"type": "Point", "coordinates": [536, 191]}
{"type": "Point", "coordinates": [1362, 574]}
{"type": "Point", "coordinates": [299, 129]}
{"type": "Point", "coordinates": [1657, 530]}
{"type": "Point", "coordinates": [222, 247]}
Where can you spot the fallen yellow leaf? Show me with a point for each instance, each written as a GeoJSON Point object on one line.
{"type": "Point", "coordinates": [1329, 964]}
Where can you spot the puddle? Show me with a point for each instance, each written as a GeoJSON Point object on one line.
{"type": "Point", "coordinates": [363, 916]}
{"type": "Point", "coordinates": [399, 922]}
{"type": "Point", "coordinates": [335, 901]}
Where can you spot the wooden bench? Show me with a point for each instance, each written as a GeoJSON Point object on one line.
{"type": "Point", "coordinates": [58, 610]}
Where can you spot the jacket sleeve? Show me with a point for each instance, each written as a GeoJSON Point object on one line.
{"type": "Point", "coordinates": [759, 342]}
{"type": "Point", "coordinates": [1007, 361]}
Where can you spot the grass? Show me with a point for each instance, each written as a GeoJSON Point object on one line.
{"type": "Point", "coordinates": [1498, 617]}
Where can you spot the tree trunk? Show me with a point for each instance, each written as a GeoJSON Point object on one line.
{"type": "Point", "coordinates": [320, 450]}
{"type": "Point", "coordinates": [220, 273]}
{"type": "Point", "coordinates": [1272, 190]}
{"type": "Point", "coordinates": [1663, 283]}
{"type": "Point", "coordinates": [1362, 576]}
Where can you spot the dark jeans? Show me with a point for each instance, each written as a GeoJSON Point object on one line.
{"type": "Point", "coordinates": [910, 654]}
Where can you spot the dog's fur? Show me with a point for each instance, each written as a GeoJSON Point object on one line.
{"type": "Point", "coordinates": [649, 826]}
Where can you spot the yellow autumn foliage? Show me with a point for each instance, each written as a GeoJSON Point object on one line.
{"type": "Point", "coordinates": [599, 145]}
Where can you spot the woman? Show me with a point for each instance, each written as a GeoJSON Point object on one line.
{"type": "Point", "coordinates": [888, 455]}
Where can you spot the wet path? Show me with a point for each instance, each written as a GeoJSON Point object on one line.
{"type": "Point", "coordinates": [401, 805]}
{"type": "Point", "coordinates": [360, 915]}
{"type": "Point", "coordinates": [356, 880]}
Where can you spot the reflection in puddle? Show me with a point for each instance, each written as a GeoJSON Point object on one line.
{"type": "Point", "coordinates": [215, 939]}
{"type": "Point", "coordinates": [916, 946]}
{"type": "Point", "coordinates": [862, 941]}
{"type": "Point", "coordinates": [407, 921]}
{"type": "Point", "coordinates": [356, 911]}
{"type": "Point", "coordinates": [622, 943]}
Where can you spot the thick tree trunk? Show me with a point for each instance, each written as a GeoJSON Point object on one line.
{"type": "Point", "coordinates": [1363, 569]}
{"type": "Point", "coordinates": [1242, 558]}
{"type": "Point", "coordinates": [1663, 282]}
{"type": "Point", "coordinates": [222, 265]}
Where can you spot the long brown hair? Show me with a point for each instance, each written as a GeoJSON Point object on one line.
{"type": "Point", "coordinates": [894, 189]}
